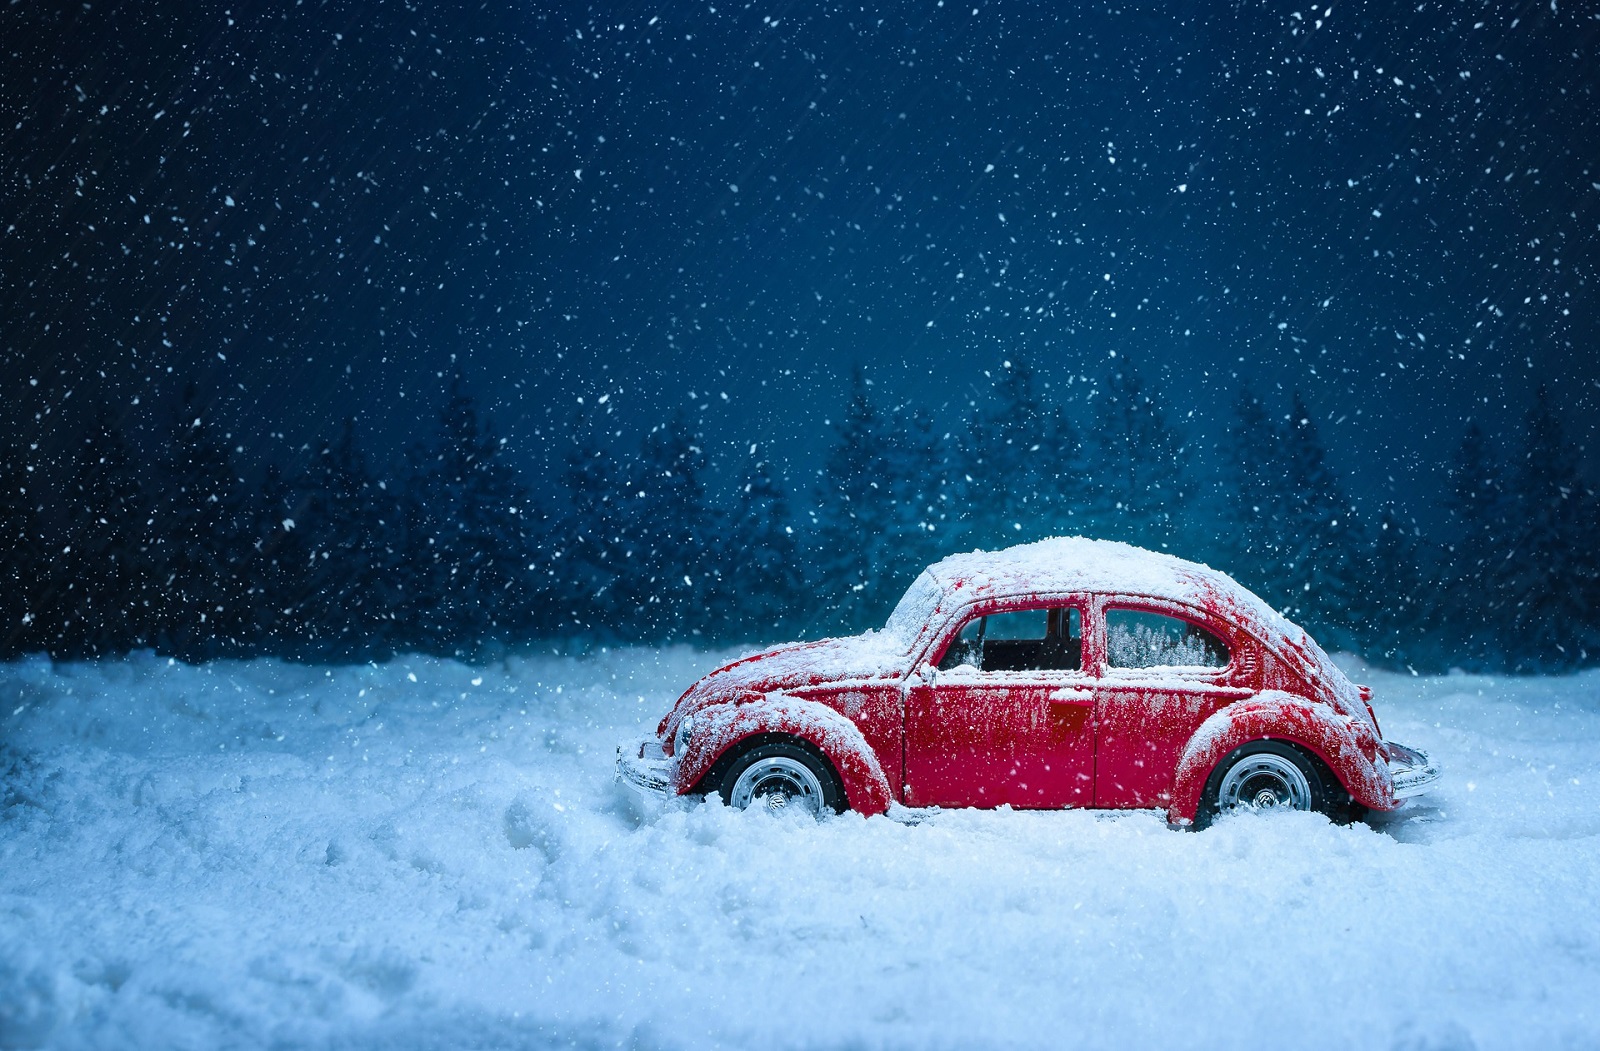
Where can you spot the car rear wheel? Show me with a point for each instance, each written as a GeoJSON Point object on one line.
{"type": "Point", "coordinates": [776, 776]}
{"type": "Point", "coordinates": [1273, 775]}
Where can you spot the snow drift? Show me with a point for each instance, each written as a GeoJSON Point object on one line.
{"type": "Point", "coordinates": [429, 855]}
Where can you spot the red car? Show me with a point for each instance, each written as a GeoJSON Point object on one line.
{"type": "Point", "coordinates": [1066, 673]}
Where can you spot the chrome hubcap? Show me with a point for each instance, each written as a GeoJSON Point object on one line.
{"type": "Point", "coordinates": [1265, 782]}
{"type": "Point", "coordinates": [777, 783]}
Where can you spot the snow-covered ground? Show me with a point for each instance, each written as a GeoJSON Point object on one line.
{"type": "Point", "coordinates": [430, 855]}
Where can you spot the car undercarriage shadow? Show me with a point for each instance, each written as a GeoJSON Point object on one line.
{"type": "Point", "coordinates": [1416, 822]}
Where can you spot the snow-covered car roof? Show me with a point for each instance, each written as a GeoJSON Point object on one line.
{"type": "Point", "coordinates": [1063, 565]}
{"type": "Point", "coordinates": [1067, 564]}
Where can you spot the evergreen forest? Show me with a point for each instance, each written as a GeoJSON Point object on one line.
{"type": "Point", "coordinates": [165, 541]}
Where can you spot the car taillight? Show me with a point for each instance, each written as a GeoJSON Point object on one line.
{"type": "Point", "coordinates": [1366, 699]}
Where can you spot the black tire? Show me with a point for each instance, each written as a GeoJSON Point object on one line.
{"type": "Point", "coordinates": [773, 768]}
{"type": "Point", "coordinates": [1262, 775]}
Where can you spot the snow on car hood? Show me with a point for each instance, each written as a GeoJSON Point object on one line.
{"type": "Point", "coordinates": [871, 655]}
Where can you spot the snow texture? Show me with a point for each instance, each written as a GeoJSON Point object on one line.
{"type": "Point", "coordinates": [425, 854]}
{"type": "Point", "coordinates": [871, 655]}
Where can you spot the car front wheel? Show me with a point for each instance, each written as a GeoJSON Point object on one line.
{"type": "Point", "coordinates": [782, 775]}
{"type": "Point", "coordinates": [1272, 775]}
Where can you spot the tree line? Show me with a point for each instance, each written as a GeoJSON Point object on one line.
{"type": "Point", "coordinates": [457, 555]}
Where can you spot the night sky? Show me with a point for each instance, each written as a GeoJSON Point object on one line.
{"type": "Point", "coordinates": [315, 210]}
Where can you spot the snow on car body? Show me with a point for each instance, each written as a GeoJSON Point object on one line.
{"type": "Point", "coordinates": [1064, 673]}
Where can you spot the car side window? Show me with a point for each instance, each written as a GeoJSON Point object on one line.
{"type": "Point", "coordinates": [1042, 639]}
{"type": "Point", "coordinates": [1139, 639]}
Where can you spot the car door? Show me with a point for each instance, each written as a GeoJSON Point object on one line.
{"type": "Point", "coordinates": [1162, 670]}
{"type": "Point", "coordinates": [1007, 717]}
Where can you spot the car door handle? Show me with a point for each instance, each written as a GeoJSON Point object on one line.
{"type": "Point", "coordinates": [1070, 696]}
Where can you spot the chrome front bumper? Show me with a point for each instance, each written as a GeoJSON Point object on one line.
{"type": "Point", "coordinates": [1412, 771]}
{"type": "Point", "coordinates": [643, 767]}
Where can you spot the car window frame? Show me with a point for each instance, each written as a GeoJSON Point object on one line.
{"type": "Point", "coordinates": [1229, 636]}
{"type": "Point", "coordinates": [928, 663]}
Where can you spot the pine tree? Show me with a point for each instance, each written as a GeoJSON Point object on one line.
{"type": "Point", "coordinates": [847, 517]}
{"type": "Point", "coordinates": [871, 522]}
{"type": "Point", "coordinates": [1474, 600]}
{"type": "Point", "coordinates": [583, 542]}
{"type": "Point", "coordinates": [1394, 612]}
{"type": "Point", "coordinates": [920, 468]}
{"type": "Point", "coordinates": [666, 580]}
{"type": "Point", "coordinates": [1292, 535]}
{"type": "Point", "coordinates": [1251, 491]}
{"type": "Point", "coordinates": [22, 555]}
{"type": "Point", "coordinates": [352, 585]}
{"type": "Point", "coordinates": [465, 510]}
{"type": "Point", "coordinates": [761, 597]}
{"type": "Point", "coordinates": [195, 537]}
{"type": "Point", "coordinates": [547, 534]}
{"type": "Point", "coordinates": [1319, 538]}
{"type": "Point", "coordinates": [1021, 466]}
{"type": "Point", "coordinates": [1141, 470]}
{"type": "Point", "coordinates": [275, 567]}
{"type": "Point", "coordinates": [1549, 574]}
{"type": "Point", "coordinates": [105, 549]}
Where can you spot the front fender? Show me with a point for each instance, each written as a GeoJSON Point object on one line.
{"type": "Point", "coordinates": [1345, 746]}
{"type": "Point", "coordinates": [719, 728]}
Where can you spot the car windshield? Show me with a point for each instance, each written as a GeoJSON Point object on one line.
{"type": "Point", "coordinates": [913, 612]}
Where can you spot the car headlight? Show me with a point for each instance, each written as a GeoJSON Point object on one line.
{"type": "Point", "coordinates": [684, 736]}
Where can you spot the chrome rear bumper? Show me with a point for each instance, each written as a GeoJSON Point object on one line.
{"type": "Point", "coordinates": [1412, 771]}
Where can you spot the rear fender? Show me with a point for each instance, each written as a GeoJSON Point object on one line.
{"type": "Point", "coordinates": [1346, 746]}
{"type": "Point", "coordinates": [720, 728]}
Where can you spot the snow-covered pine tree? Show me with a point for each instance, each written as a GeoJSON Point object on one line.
{"type": "Point", "coordinates": [1250, 479]}
{"type": "Point", "coordinates": [583, 545]}
{"type": "Point", "coordinates": [908, 494]}
{"type": "Point", "coordinates": [856, 558]}
{"type": "Point", "coordinates": [1473, 601]}
{"type": "Point", "coordinates": [105, 549]}
{"type": "Point", "coordinates": [666, 581]}
{"type": "Point", "coordinates": [761, 597]}
{"type": "Point", "coordinates": [921, 466]}
{"type": "Point", "coordinates": [1394, 608]}
{"type": "Point", "coordinates": [1022, 479]}
{"type": "Point", "coordinates": [353, 594]}
{"type": "Point", "coordinates": [547, 534]}
{"type": "Point", "coordinates": [22, 554]}
{"type": "Point", "coordinates": [276, 566]}
{"type": "Point", "coordinates": [1549, 571]}
{"type": "Point", "coordinates": [1139, 470]}
{"type": "Point", "coordinates": [1319, 538]}
{"type": "Point", "coordinates": [465, 515]}
{"type": "Point", "coordinates": [197, 604]}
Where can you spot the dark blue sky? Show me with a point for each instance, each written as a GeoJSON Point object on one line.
{"type": "Point", "coordinates": [317, 209]}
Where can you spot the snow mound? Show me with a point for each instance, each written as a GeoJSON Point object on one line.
{"type": "Point", "coordinates": [428, 855]}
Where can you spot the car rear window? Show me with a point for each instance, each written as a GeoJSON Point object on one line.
{"type": "Point", "coordinates": [1141, 639]}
